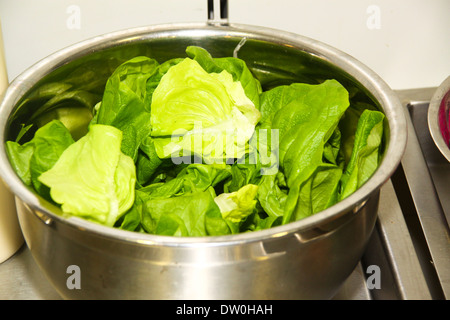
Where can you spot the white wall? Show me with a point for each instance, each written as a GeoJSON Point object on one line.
{"type": "Point", "coordinates": [407, 42]}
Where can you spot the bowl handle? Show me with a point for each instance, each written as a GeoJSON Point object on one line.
{"type": "Point", "coordinates": [218, 12]}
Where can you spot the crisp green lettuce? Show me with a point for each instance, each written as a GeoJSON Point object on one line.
{"type": "Point", "coordinates": [181, 206]}
{"type": "Point", "coordinates": [306, 117]}
{"type": "Point", "coordinates": [194, 146]}
{"type": "Point", "coordinates": [238, 205]}
{"type": "Point", "coordinates": [191, 214]}
{"type": "Point", "coordinates": [123, 103]}
{"type": "Point", "coordinates": [39, 154]}
{"type": "Point", "coordinates": [195, 112]}
{"type": "Point", "coordinates": [319, 191]}
{"type": "Point", "coordinates": [365, 156]}
{"type": "Point", "coordinates": [192, 178]}
{"type": "Point", "coordinates": [92, 178]}
{"type": "Point", "coordinates": [234, 66]}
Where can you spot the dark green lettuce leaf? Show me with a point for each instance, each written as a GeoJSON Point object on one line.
{"type": "Point", "coordinates": [319, 192]}
{"type": "Point", "coordinates": [190, 214]}
{"type": "Point", "coordinates": [243, 174]}
{"type": "Point", "coordinates": [147, 162]}
{"type": "Point", "coordinates": [39, 154]}
{"type": "Point", "coordinates": [365, 156]}
{"type": "Point", "coordinates": [123, 104]}
{"type": "Point", "coordinates": [192, 178]}
{"type": "Point", "coordinates": [272, 194]}
{"type": "Point", "coordinates": [306, 116]}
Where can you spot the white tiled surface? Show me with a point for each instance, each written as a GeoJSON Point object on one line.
{"type": "Point", "coordinates": [407, 42]}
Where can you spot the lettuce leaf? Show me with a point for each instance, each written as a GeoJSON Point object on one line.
{"type": "Point", "coordinates": [147, 162]}
{"type": "Point", "coordinates": [195, 112]}
{"type": "Point", "coordinates": [319, 191]}
{"type": "Point", "coordinates": [306, 117]}
{"type": "Point", "coordinates": [39, 154]}
{"type": "Point", "coordinates": [193, 146]}
{"type": "Point", "coordinates": [238, 205]}
{"type": "Point", "coordinates": [92, 178]}
{"type": "Point", "coordinates": [272, 194]}
{"type": "Point", "coordinates": [192, 178]}
{"type": "Point", "coordinates": [243, 174]}
{"type": "Point", "coordinates": [124, 102]}
{"type": "Point", "coordinates": [234, 66]}
{"type": "Point", "coordinates": [365, 156]}
{"type": "Point", "coordinates": [190, 214]}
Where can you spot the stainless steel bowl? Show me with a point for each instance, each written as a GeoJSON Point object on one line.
{"type": "Point", "coordinates": [438, 118]}
{"type": "Point", "coordinates": [307, 259]}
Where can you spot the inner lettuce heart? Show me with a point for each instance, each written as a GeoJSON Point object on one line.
{"type": "Point", "coordinates": [208, 115]}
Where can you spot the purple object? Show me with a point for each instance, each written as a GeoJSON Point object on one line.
{"type": "Point", "coordinates": [439, 118]}
{"type": "Point", "coordinates": [444, 118]}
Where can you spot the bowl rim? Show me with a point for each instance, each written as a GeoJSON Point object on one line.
{"type": "Point", "coordinates": [433, 117]}
{"type": "Point", "coordinates": [364, 75]}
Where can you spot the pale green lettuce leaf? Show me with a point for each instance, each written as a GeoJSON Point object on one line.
{"type": "Point", "coordinates": [236, 67]}
{"type": "Point", "coordinates": [93, 178]}
{"type": "Point", "coordinates": [238, 205]}
{"type": "Point", "coordinates": [195, 112]}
